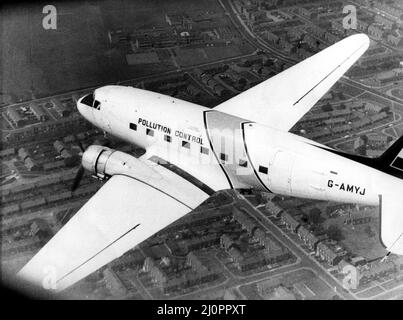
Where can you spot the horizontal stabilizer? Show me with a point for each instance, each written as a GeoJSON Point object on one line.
{"type": "Point", "coordinates": [391, 161]}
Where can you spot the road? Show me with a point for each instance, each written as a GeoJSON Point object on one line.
{"type": "Point", "coordinates": [138, 79]}
{"type": "Point", "coordinates": [304, 261]}
{"type": "Point", "coordinates": [307, 260]}
{"type": "Point", "coordinates": [259, 44]}
{"type": "Point", "coordinates": [249, 36]}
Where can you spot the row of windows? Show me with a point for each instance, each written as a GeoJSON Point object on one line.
{"type": "Point", "coordinates": [203, 150]}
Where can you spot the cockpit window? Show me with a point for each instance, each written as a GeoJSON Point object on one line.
{"type": "Point", "coordinates": [97, 104]}
{"type": "Point", "coordinates": [91, 102]}
{"type": "Point", "coordinates": [88, 100]}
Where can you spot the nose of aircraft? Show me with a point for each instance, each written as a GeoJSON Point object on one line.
{"type": "Point", "coordinates": [85, 108]}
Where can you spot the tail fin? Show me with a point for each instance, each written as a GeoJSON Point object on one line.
{"type": "Point", "coordinates": [391, 161]}
{"type": "Point", "coordinates": [391, 222]}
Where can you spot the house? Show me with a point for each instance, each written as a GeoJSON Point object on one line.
{"type": "Point", "coordinates": [244, 220]}
{"type": "Point", "coordinates": [266, 287]}
{"type": "Point", "coordinates": [273, 208]}
{"type": "Point", "coordinates": [362, 25]}
{"type": "Point", "coordinates": [60, 108]}
{"type": "Point", "coordinates": [226, 242]}
{"type": "Point", "coordinates": [290, 222]}
{"type": "Point", "coordinates": [387, 23]}
{"type": "Point", "coordinates": [195, 263]}
{"type": "Point", "coordinates": [31, 164]}
{"type": "Point", "coordinates": [7, 152]}
{"type": "Point", "coordinates": [271, 37]}
{"type": "Point", "coordinates": [236, 255]}
{"type": "Point", "coordinates": [308, 237]}
{"type": "Point", "coordinates": [23, 154]}
{"type": "Point", "coordinates": [395, 40]}
{"type": "Point", "coordinates": [375, 31]}
{"type": "Point", "coordinates": [327, 253]}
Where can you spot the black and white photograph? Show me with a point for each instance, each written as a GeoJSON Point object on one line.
{"type": "Point", "coordinates": [218, 151]}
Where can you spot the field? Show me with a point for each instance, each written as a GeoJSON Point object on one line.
{"type": "Point", "coordinates": [356, 239]}
{"type": "Point", "coordinates": [186, 57]}
{"type": "Point", "coordinates": [397, 93]}
{"type": "Point", "coordinates": [303, 282]}
{"type": "Point", "coordinates": [36, 62]}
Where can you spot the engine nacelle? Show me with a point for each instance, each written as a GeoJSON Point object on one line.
{"type": "Point", "coordinates": [95, 158]}
{"type": "Point", "coordinates": [104, 162]}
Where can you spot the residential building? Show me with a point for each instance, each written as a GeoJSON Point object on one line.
{"type": "Point", "coordinates": [290, 222]}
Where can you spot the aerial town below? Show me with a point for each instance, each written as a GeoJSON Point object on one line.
{"type": "Point", "coordinates": [234, 246]}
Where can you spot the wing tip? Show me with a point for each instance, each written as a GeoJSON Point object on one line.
{"type": "Point", "coordinates": [360, 39]}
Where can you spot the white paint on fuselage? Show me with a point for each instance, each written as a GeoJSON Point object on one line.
{"type": "Point", "coordinates": [125, 105]}
{"type": "Point", "coordinates": [300, 167]}
{"type": "Point", "coordinates": [296, 167]}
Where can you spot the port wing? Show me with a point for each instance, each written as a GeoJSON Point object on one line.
{"type": "Point", "coordinates": [282, 100]}
{"type": "Point", "coordinates": [123, 213]}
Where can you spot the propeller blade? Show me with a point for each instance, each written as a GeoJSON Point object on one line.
{"type": "Point", "coordinates": [80, 145]}
{"type": "Point", "coordinates": [77, 178]}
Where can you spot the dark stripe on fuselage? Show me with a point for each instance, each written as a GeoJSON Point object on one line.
{"type": "Point", "coordinates": [185, 175]}
{"type": "Point", "coordinates": [249, 159]}
{"type": "Point", "coordinates": [212, 149]}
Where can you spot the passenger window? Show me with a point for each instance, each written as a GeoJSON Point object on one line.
{"type": "Point", "coordinates": [186, 144]}
{"type": "Point", "coordinates": [204, 150]}
{"type": "Point", "coordinates": [263, 169]}
{"type": "Point", "coordinates": [150, 132]}
{"type": "Point", "coordinates": [243, 163]}
{"type": "Point", "coordinates": [167, 138]}
{"type": "Point", "coordinates": [223, 157]}
{"type": "Point", "coordinates": [133, 126]}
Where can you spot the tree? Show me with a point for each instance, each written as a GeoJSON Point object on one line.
{"type": "Point", "coordinates": [327, 107]}
{"type": "Point", "coordinates": [368, 230]}
{"type": "Point", "coordinates": [259, 197]}
{"type": "Point", "coordinates": [341, 95]}
{"type": "Point", "coordinates": [334, 233]}
{"type": "Point", "coordinates": [314, 215]}
{"type": "Point", "coordinates": [242, 82]}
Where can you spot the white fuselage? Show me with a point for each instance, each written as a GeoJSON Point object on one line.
{"type": "Point", "coordinates": [225, 152]}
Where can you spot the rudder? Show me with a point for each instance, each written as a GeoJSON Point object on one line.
{"type": "Point", "coordinates": [391, 161]}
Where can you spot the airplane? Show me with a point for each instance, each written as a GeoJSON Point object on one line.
{"type": "Point", "coordinates": [192, 152]}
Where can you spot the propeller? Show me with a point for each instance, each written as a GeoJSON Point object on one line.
{"type": "Point", "coordinates": [77, 178]}
{"type": "Point", "coordinates": [80, 171]}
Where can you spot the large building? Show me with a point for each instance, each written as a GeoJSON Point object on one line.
{"type": "Point", "coordinates": [60, 108]}
{"type": "Point", "coordinates": [38, 112]}
{"type": "Point", "coordinates": [15, 117]}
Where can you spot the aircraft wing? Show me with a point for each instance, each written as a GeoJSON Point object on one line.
{"type": "Point", "coordinates": [282, 100]}
{"type": "Point", "coordinates": [123, 213]}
